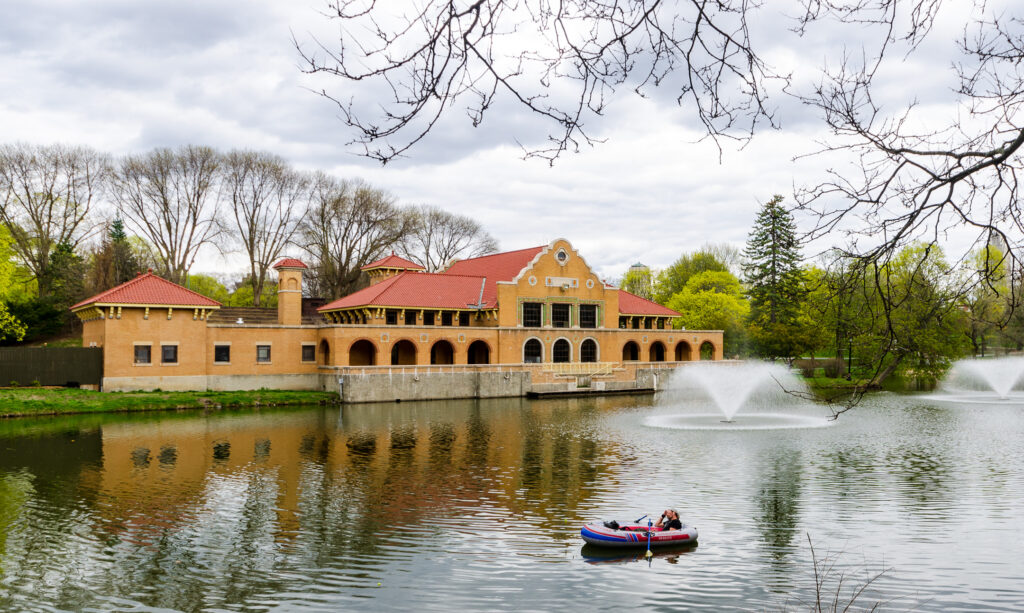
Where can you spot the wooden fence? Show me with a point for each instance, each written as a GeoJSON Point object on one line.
{"type": "Point", "coordinates": [69, 366]}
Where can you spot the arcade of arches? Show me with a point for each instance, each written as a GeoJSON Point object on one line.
{"type": "Point", "coordinates": [403, 352]}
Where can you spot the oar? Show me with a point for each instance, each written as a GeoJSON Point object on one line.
{"type": "Point", "coordinates": [638, 521]}
{"type": "Point", "coordinates": [649, 524]}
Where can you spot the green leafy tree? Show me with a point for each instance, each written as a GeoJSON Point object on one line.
{"type": "Point", "coordinates": [919, 323]}
{"type": "Point", "coordinates": [10, 327]}
{"type": "Point", "coordinates": [673, 279]}
{"type": "Point", "coordinates": [775, 283]}
{"type": "Point", "coordinates": [713, 300]}
{"type": "Point", "coordinates": [209, 287]}
{"type": "Point", "coordinates": [638, 281]}
{"type": "Point", "coordinates": [987, 302]}
{"type": "Point", "coordinates": [242, 296]}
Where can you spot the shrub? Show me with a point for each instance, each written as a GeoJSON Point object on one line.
{"type": "Point", "coordinates": [13, 383]}
{"type": "Point", "coordinates": [36, 383]}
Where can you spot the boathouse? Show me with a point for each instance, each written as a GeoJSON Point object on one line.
{"type": "Point", "coordinates": [532, 321]}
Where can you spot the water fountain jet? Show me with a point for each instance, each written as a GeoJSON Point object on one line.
{"type": "Point", "coordinates": [746, 395]}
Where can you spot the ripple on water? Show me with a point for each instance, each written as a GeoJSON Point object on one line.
{"type": "Point", "coordinates": [755, 421]}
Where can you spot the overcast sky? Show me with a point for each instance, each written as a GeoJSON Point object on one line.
{"type": "Point", "coordinates": [126, 76]}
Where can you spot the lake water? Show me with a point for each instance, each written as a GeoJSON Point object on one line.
{"type": "Point", "coordinates": [477, 505]}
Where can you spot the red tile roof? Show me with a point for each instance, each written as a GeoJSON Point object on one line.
{"type": "Point", "coordinates": [496, 267]}
{"type": "Point", "coordinates": [149, 290]}
{"type": "Point", "coordinates": [290, 263]}
{"type": "Point", "coordinates": [421, 290]}
{"type": "Point", "coordinates": [393, 261]}
{"type": "Point", "coordinates": [631, 304]}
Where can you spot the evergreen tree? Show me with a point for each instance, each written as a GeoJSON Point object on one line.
{"type": "Point", "coordinates": [772, 269]}
{"type": "Point", "coordinates": [775, 283]}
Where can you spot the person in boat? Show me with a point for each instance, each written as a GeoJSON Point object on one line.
{"type": "Point", "coordinates": [669, 521]}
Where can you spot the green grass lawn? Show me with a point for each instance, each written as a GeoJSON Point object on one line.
{"type": "Point", "coordinates": [23, 401]}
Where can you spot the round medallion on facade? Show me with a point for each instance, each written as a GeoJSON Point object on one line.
{"type": "Point", "coordinates": [532, 280]}
{"type": "Point", "coordinates": [561, 256]}
{"type": "Point", "coordinates": [590, 284]}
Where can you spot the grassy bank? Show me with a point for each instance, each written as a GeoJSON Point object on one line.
{"type": "Point", "coordinates": [16, 402]}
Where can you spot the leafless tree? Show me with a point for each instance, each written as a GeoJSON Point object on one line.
{"type": "Point", "coordinates": [48, 195]}
{"type": "Point", "coordinates": [348, 225]}
{"type": "Point", "coordinates": [438, 237]}
{"type": "Point", "coordinates": [267, 199]}
{"type": "Point", "coordinates": [170, 198]}
{"type": "Point", "coordinates": [558, 60]}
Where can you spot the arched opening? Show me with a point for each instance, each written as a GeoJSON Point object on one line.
{"type": "Point", "coordinates": [478, 353]}
{"type": "Point", "coordinates": [707, 351]}
{"type": "Point", "coordinates": [362, 353]}
{"type": "Point", "coordinates": [683, 352]}
{"type": "Point", "coordinates": [630, 352]}
{"type": "Point", "coordinates": [657, 352]}
{"type": "Point", "coordinates": [588, 351]}
{"type": "Point", "coordinates": [325, 353]}
{"type": "Point", "coordinates": [533, 352]}
{"type": "Point", "coordinates": [403, 353]}
{"type": "Point", "coordinates": [442, 353]}
{"type": "Point", "coordinates": [561, 351]}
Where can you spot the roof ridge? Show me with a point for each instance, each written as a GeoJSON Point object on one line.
{"type": "Point", "coordinates": [493, 255]}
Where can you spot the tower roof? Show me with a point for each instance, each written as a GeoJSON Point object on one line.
{"type": "Point", "coordinates": [393, 261]}
{"type": "Point", "coordinates": [290, 263]}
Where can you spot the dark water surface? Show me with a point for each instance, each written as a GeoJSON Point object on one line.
{"type": "Point", "coordinates": [476, 505]}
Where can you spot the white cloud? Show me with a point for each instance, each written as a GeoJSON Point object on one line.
{"type": "Point", "coordinates": [126, 76]}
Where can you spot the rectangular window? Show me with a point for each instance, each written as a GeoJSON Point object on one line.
{"type": "Point", "coordinates": [142, 354]}
{"type": "Point", "coordinates": [532, 314]}
{"type": "Point", "coordinates": [263, 354]}
{"type": "Point", "coordinates": [661, 323]}
{"type": "Point", "coordinates": [410, 318]}
{"type": "Point", "coordinates": [169, 354]}
{"type": "Point", "coordinates": [636, 323]}
{"type": "Point", "coordinates": [222, 354]}
{"type": "Point", "coordinates": [560, 315]}
{"type": "Point", "coordinates": [428, 318]}
{"type": "Point", "coordinates": [464, 318]}
{"type": "Point", "coordinates": [446, 318]}
{"type": "Point", "coordinates": [648, 323]}
{"type": "Point", "coordinates": [391, 317]}
{"type": "Point", "coordinates": [588, 315]}
{"type": "Point", "coordinates": [623, 322]}
{"type": "Point", "coordinates": [309, 353]}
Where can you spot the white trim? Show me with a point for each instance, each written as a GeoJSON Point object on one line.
{"type": "Point", "coordinates": [597, 355]}
{"type": "Point", "coordinates": [567, 342]}
{"type": "Point", "coordinates": [522, 350]}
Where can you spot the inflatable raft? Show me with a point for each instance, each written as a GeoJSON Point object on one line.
{"type": "Point", "coordinates": [614, 534]}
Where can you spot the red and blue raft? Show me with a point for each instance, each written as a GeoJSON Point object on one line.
{"type": "Point", "coordinates": [614, 534]}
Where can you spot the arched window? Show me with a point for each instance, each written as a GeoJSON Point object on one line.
{"type": "Point", "coordinates": [362, 353]}
{"type": "Point", "coordinates": [707, 350]}
{"type": "Point", "coordinates": [442, 353]}
{"type": "Point", "coordinates": [325, 353]}
{"type": "Point", "coordinates": [657, 352]}
{"type": "Point", "coordinates": [403, 353]}
{"type": "Point", "coordinates": [478, 353]}
{"type": "Point", "coordinates": [533, 352]}
{"type": "Point", "coordinates": [562, 351]}
{"type": "Point", "coordinates": [588, 351]}
{"type": "Point", "coordinates": [683, 352]}
{"type": "Point", "coordinates": [630, 352]}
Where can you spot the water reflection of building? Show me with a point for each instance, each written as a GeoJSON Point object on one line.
{"type": "Point", "coordinates": [509, 324]}
{"type": "Point", "coordinates": [366, 469]}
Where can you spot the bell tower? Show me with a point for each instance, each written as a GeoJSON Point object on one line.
{"type": "Point", "coordinates": [289, 291]}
